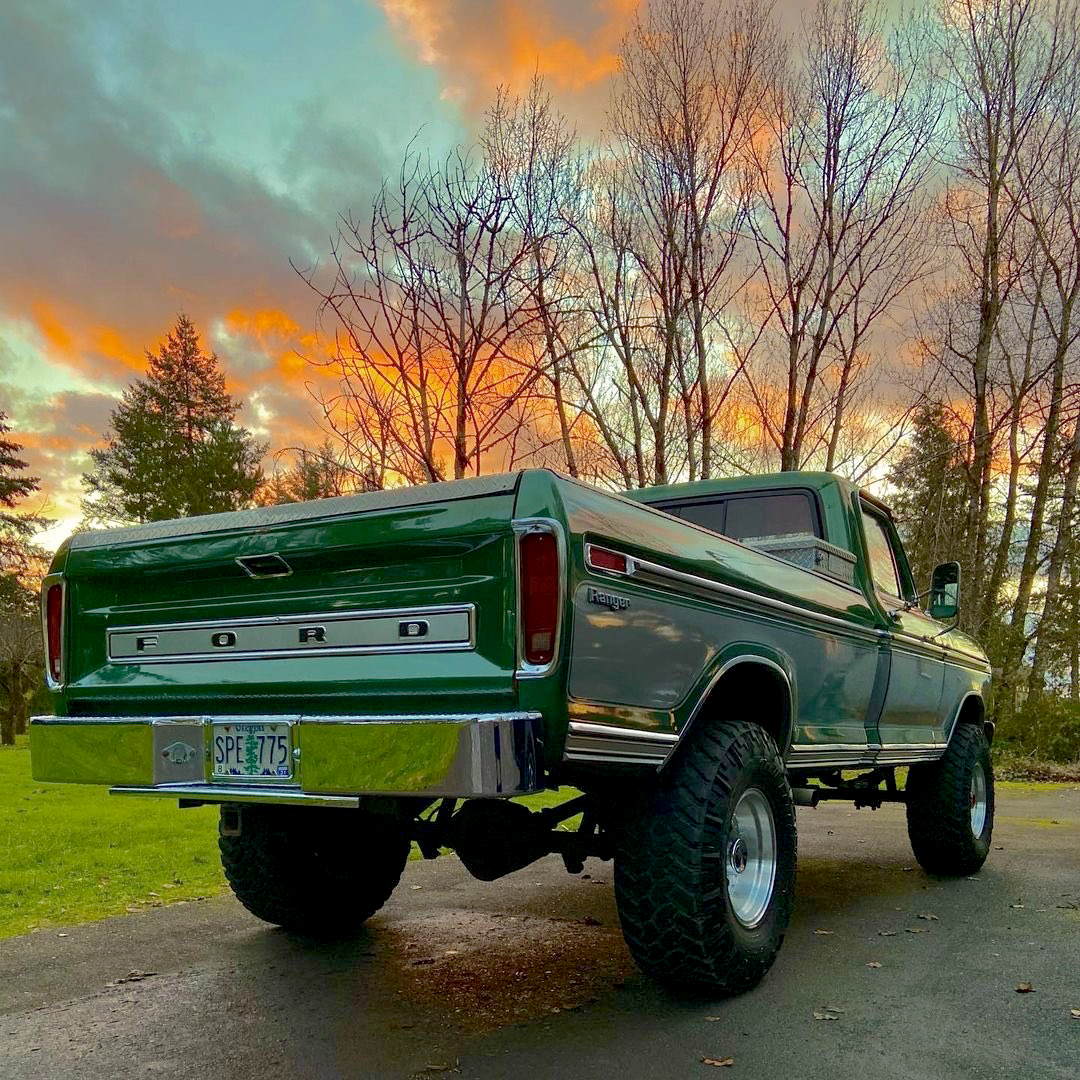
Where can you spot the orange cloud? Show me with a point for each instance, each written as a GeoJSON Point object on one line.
{"type": "Point", "coordinates": [264, 324]}
{"type": "Point", "coordinates": [76, 337]}
{"type": "Point", "coordinates": [278, 336]}
{"type": "Point", "coordinates": [51, 326]}
{"type": "Point", "coordinates": [480, 45]}
{"type": "Point", "coordinates": [113, 344]}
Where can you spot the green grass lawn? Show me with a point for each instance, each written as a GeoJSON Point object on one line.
{"type": "Point", "coordinates": [72, 853]}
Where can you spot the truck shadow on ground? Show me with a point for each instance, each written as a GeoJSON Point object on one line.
{"type": "Point", "coordinates": [444, 972]}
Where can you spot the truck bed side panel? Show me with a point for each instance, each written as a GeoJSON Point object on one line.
{"type": "Point", "coordinates": [658, 653]}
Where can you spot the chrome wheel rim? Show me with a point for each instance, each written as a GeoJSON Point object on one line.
{"type": "Point", "coordinates": [750, 858]}
{"type": "Point", "coordinates": [978, 800]}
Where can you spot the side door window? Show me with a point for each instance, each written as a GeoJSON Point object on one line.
{"type": "Point", "coordinates": [884, 569]}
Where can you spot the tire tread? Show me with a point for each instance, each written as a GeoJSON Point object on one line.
{"type": "Point", "coordinates": [669, 888]}
{"type": "Point", "coordinates": [938, 807]}
{"type": "Point", "coordinates": [295, 868]}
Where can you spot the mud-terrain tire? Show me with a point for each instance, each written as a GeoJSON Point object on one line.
{"type": "Point", "coordinates": [950, 806]}
{"type": "Point", "coordinates": [691, 917]}
{"type": "Point", "coordinates": [314, 871]}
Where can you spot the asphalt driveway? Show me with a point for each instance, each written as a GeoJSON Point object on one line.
{"type": "Point", "coordinates": [885, 973]}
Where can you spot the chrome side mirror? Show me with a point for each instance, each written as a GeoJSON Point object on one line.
{"type": "Point", "coordinates": [945, 591]}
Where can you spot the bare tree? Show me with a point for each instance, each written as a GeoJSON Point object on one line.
{"type": "Point", "coordinates": [1064, 559]}
{"type": "Point", "coordinates": [426, 305]}
{"type": "Point", "coordinates": [658, 231]}
{"type": "Point", "coordinates": [1001, 60]}
{"type": "Point", "coordinates": [531, 146]}
{"type": "Point", "coordinates": [840, 221]}
{"type": "Point", "coordinates": [1047, 197]}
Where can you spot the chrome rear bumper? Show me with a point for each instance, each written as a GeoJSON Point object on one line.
{"type": "Point", "coordinates": [336, 759]}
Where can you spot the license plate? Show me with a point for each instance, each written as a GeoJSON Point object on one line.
{"type": "Point", "coordinates": [251, 751]}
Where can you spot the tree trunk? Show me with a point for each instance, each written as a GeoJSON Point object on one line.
{"type": "Point", "coordinates": [1063, 549]}
{"type": "Point", "coordinates": [1074, 637]}
{"type": "Point", "coordinates": [554, 351]}
{"type": "Point", "coordinates": [19, 704]}
{"type": "Point", "coordinates": [1016, 642]}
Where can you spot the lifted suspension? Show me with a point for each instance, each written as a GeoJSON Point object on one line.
{"type": "Point", "coordinates": [495, 837]}
{"type": "Point", "coordinates": [863, 790]}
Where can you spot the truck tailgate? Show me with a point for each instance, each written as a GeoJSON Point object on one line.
{"type": "Point", "coordinates": [364, 603]}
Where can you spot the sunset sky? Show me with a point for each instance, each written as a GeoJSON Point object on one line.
{"type": "Point", "coordinates": [162, 157]}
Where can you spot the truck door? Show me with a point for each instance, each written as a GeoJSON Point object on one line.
{"type": "Point", "coordinates": [912, 703]}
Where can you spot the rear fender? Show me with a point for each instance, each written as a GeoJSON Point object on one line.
{"type": "Point", "coordinates": [722, 691]}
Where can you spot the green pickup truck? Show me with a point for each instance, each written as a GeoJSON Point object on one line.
{"type": "Point", "coordinates": [348, 676]}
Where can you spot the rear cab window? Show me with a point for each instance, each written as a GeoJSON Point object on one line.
{"type": "Point", "coordinates": [759, 516]}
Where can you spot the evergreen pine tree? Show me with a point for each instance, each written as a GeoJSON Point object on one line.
{"type": "Point", "coordinates": [173, 449]}
{"type": "Point", "coordinates": [15, 529]}
{"type": "Point", "coordinates": [20, 636]}
{"type": "Point", "coordinates": [930, 495]}
{"type": "Point", "coordinates": [316, 474]}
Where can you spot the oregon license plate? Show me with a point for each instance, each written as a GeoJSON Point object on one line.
{"type": "Point", "coordinates": [252, 751]}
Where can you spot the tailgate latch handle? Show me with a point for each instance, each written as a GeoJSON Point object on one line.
{"type": "Point", "coordinates": [264, 566]}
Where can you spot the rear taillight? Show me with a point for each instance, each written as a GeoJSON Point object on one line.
{"type": "Point", "coordinates": [54, 625]}
{"type": "Point", "coordinates": [538, 567]}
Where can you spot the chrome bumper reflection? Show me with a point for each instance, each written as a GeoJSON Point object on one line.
{"type": "Point", "coordinates": [460, 756]}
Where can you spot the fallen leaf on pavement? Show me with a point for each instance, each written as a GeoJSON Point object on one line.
{"type": "Point", "coordinates": [1025, 988]}
{"type": "Point", "coordinates": [714, 1018]}
{"type": "Point", "coordinates": [823, 933]}
{"type": "Point", "coordinates": [719, 1063]}
{"type": "Point", "coordinates": [918, 929]}
{"type": "Point", "coordinates": [827, 1012]}
{"type": "Point", "coordinates": [886, 933]}
{"type": "Point", "coordinates": [1016, 905]}
{"type": "Point", "coordinates": [874, 964]}
{"type": "Point", "coordinates": [1075, 1014]}
{"type": "Point", "coordinates": [929, 917]}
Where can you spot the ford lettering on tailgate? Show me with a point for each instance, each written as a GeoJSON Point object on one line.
{"type": "Point", "coordinates": [443, 628]}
